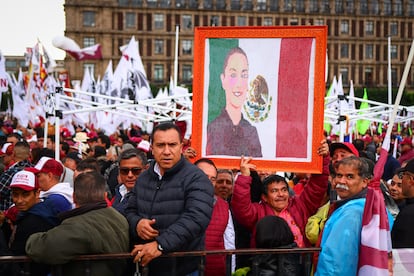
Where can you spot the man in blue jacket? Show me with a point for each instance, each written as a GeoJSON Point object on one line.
{"type": "Point", "coordinates": [170, 207]}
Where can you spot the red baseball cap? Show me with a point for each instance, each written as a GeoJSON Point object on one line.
{"type": "Point", "coordinates": [345, 145]}
{"type": "Point", "coordinates": [7, 149]}
{"type": "Point", "coordinates": [47, 165]}
{"type": "Point", "coordinates": [407, 141]}
{"type": "Point", "coordinates": [24, 180]}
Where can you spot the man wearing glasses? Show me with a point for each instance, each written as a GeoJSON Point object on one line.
{"type": "Point", "coordinates": [402, 232]}
{"type": "Point", "coordinates": [131, 163]}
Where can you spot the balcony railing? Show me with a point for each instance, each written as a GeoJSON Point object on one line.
{"type": "Point", "coordinates": [56, 270]}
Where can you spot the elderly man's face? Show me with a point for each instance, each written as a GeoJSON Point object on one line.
{"type": "Point", "coordinates": [395, 187]}
{"type": "Point", "coordinates": [347, 182]}
{"type": "Point", "coordinates": [224, 185]}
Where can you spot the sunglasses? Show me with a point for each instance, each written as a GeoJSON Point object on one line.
{"type": "Point", "coordinates": [125, 171]}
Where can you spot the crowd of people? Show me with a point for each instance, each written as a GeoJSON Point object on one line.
{"type": "Point", "coordinates": [150, 194]}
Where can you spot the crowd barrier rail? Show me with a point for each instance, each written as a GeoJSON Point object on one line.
{"type": "Point", "coordinates": [56, 270]}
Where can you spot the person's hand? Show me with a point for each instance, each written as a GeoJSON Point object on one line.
{"type": "Point", "coordinates": [245, 166]}
{"type": "Point", "coordinates": [189, 153]}
{"type": "Point", "coordinates": [145, 253]}
{"type": "Point", "coordinates": [323, 149]}
{"type": "Point", "coordinates": [145, 230]}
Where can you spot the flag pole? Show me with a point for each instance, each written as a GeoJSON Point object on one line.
{"type": "Point", "coordinates": [389, 72]}
{"type": "Point", "coordinates": [400, 90]}
{"type": "Point", "coordinates": [177, 27]}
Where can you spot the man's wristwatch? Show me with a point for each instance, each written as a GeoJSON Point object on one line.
{"type": "Point", "coordinates": [160, 247]}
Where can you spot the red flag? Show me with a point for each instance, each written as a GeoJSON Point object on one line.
{"type": "Point", "coordinates": [294, 57]}
{"type": "Point", "coordinates": [375, 234]}
{"type": "Point", "coordinates": [92, 52]}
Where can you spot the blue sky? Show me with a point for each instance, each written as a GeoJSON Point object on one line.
{"type": "Point", "coordinates": [22, 22]}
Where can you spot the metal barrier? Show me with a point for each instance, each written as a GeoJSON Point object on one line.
{"type": "Point", "coordinates": [56, 270]}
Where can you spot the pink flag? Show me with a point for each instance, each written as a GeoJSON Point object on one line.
{"type": "Point", "coordinates": [375, 234]}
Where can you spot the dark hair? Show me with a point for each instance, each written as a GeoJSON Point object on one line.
{"type": "Point", "coordinates": [89, 187]}
{"type": "Point", "coordinates": [99, 151]}
{"type": "Point", "coordinates": [274, 178]}
{"type": "Point", "coordinates": [207, 161]}
{"type": "Point", "coordinates": [230, 53]}
{"type": "Point", "coordinates": [226, 171]}
{"type": "Point", "coordinates": [359, 163]}
{"type": "Point", "coordinates": [164, 127]}
{"type": "Point", "coordinates": [273, 232]}
{"type": "Point", "coordinates": [90, 164]}
{"type": "Point", "coordinates": [130, 153]}
{"type": "Point", "coordinates": [105, 140]}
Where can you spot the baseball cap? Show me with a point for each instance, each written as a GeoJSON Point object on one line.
{"type": "Point", "coordinates": [47, 165]}
{"type": "Point", "coordinates": [345, 145]}
{"type": "Point", "coordinates": [406, 141]}
{"type": "Point", "coordinates": [7, 149]}
{"type": "Point", "coordinates": [24, 180]}
{"type": "Point", "coordinates": [144, 145]}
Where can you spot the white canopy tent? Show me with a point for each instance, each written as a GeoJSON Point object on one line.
{"type": "Point", "coordinates": [168, 108]}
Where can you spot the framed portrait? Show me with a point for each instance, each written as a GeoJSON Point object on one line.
{"type": "Point", "coordinates": [259, 92]}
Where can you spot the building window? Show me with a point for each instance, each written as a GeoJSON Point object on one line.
{"type": "Point", "coordinates": [88, 41]}
{"type": "Point", "coordinates": [344, 27]}
{"type": "Point", "coordinates": [187, 73]}
{"type": "Point", "coordinates": [11, 64]}
{"type": "Point", "coordinates": [235, 5]}
{"type": "Point", "coordinates": [394, 77]}
{"type": "Point", "coordinates": [123, 2]}
{"type": "Point", "coordinates": [274, 5]}
{"type": "Point", "coordinates": [374, 7]}
{"type": "Point", "coordinates": [411, 8]}
{"type": "Point", "coordinates": [165, 3]}
{"type": "Point", "coordinates": [214, 21]}
{"type": "Point", "coordinates": [261, 5]}
{"type": "Point", "coordinates": [369, 28]}
{"type": "Point", "coordinates": [193, 4]}
{"type": "Point", "coordinates": [398, 7]}
{"type": "Point", "coordinates": [187, 47]}
{"type": "Point", "coordinates": [220, 4]}
{"type": "Point", "coordinates": [387, 7]}
{"type": "Point", "coordinates": [180, 3]}
{"type": "Point", "coordinates": [158, 72]}
{"type": "Point", "coordinates": [393, 51]}
{"type": "Point", "coordinates": [130, 20]}
{"type": "Point", "coordinates": [89, 19]}
{"type": "Point", "coordinates": [339, 7]}
{"type": "Point", "coordinates": [267, 21]}
{"type": "Point", "coordinates": [241, 21]}
{"type": "Point", "coordinates": [300, 6]}
{"type": "Point", "coordinates": [90, 67]}
{"type": "Point", "coordinates": [159, 46]}
{"type": "Point", "coordinates": [319, 22]}
{"type": "Point", "coordinates": [325, 6]}
{"type": "Point", "coordinates": [208, 4]}
{"type": "Point", "coordinates": [288, 6]}
{"type": "Point", "coordinates": [187, 22]}
{"type": "Point", "coordinates": [247, 5]}
{"type": "Point", "coordinates": [344, 51]}
{"type": "Point", "coordinates": [368, 76]}
{"type": "Point", "coordinates": [136, 3]}
{"type": "Point", "coordinates": [369, 51]}
{"type": "Point", "coordinates": [159, 21]}
{"type": "Point", "coordinates": [345, 75]}
{"type": "Point", "coordinates": [313, 5]}
{"type": "Point", "coordinates": [394, 28]}
{"type": "Point", "coordinates": [350, 6]}
{"type": "Point", "coordinates": [152, 3]}
{"type": "Point", "coordinates": [363, 6]}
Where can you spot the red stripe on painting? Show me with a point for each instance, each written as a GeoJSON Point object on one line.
{"type": "Point", "coordinates": [292, 97]}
